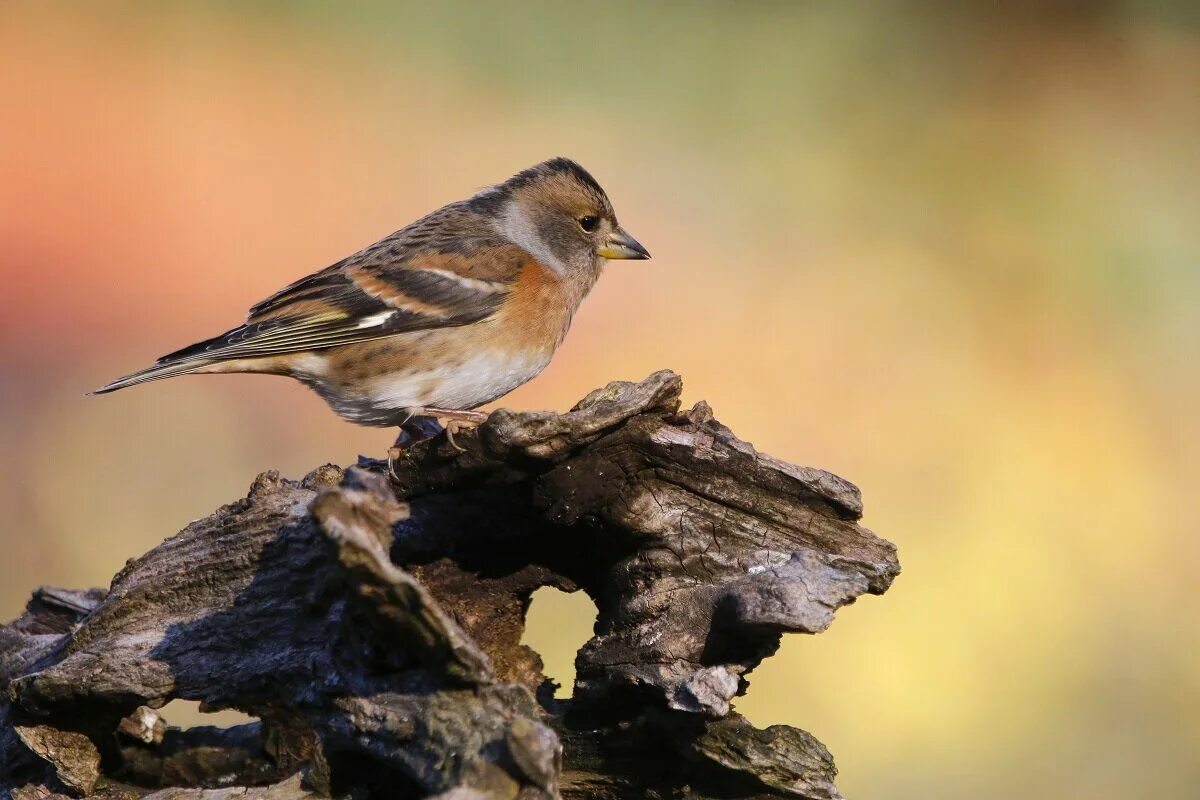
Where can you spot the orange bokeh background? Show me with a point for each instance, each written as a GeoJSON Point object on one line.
{"type": "Point", "coordinates": [948, 252]}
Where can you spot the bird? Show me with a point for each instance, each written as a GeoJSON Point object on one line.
{"type": "Point", "coordinates": [447, 314]}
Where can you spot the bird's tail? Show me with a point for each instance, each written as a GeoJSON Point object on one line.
{"type": "Point", "coordinates": [163, 369]}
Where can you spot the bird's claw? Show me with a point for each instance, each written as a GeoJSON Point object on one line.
{"type": "Point", "coordinates": [415, 428]}
{"type": "Point", "coordinates": [455, 421]}
{"type": "Point", "coordinates": [394, 452]}
{"type": "Point", "coordinates": [453, 426]}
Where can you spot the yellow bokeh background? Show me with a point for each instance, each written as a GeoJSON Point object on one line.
{"type": "Point", "coordinates": [950, 251]}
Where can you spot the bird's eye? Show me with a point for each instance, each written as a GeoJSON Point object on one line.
{"type": "Point", "coordinates": [589, 223]}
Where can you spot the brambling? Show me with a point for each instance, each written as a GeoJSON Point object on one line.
{"type": "Point", "coordinates": [449, 313]}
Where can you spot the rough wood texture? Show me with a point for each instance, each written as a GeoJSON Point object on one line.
{"type": "Point", "coordinates": [377, 639]}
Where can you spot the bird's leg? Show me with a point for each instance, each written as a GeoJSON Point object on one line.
{"type": "Point", "coordinates": [469, 417]}
{"type": "Point", "coordinates": [456, 421]}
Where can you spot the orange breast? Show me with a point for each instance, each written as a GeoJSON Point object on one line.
{"type": "Point", "coordinates": [538, 311]}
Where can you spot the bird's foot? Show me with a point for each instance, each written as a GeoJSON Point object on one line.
{"type": "Point", "coordinates": [416, 428]}
{"type": "Point", "coordinates": [456, 421]}
{"type": "Point", "coordinates": [420, 424]}
{"type": "Point", "coordinates": [453, 426]}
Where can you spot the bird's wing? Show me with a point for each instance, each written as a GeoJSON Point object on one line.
{"type": "Point", "coordinates": [432, 274]}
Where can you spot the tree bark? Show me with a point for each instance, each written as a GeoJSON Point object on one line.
{"type": "Point", "coordinates": [372, 623]}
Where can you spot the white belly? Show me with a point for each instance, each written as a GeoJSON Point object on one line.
{"type": "Point", "coordinates": [479, 380]}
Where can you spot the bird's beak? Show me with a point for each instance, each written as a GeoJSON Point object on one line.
{"type": "Point", "coordinates": [620, 244]}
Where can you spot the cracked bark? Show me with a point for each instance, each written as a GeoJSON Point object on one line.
{"type": "Point", "coordinates": [373, 625]}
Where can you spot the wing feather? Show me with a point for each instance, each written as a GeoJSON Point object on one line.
{"type": "Point", "coordinates": [448, 269]}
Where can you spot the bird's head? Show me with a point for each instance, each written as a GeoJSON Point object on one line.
{"type": "Point", "coordinates": [559, 213]}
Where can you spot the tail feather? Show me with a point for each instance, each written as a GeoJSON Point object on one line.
{"type": "Point", "coordinates": [157, 372]}
{"type": "Point", "coordinates": [182, 362]}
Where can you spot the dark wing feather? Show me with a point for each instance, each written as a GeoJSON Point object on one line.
{"type": "Point", "coordinates": [445, 270]}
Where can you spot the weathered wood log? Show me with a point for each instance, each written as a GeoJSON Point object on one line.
{"type": "Point", "coordinates": [372, 623]}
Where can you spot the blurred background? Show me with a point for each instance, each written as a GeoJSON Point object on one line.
{"type": "Point", "coordinates": [948, 251]}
